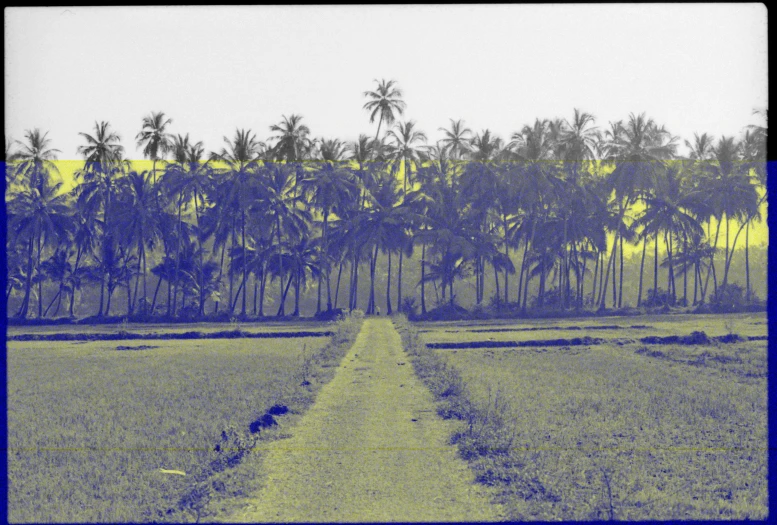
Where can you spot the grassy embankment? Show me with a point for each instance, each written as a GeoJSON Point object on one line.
{"type": "Point", "coordinates": [609, 432]}
{"type": "Point", "coordinates": [90, 427]}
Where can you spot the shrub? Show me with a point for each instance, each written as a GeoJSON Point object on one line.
{"type": "Point", "coordinates": [728, 298]}
{"type": "Point", "coordinates": [656, 298]}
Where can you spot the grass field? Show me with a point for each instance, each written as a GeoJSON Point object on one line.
{"type": "Point", "coordinates": [156, 328]}
{"type": "Point", "coordinates": [618, 432]}
{"type": "Point", "coordinates": [90, 426]}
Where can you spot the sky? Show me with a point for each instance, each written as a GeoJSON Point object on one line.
{"type": "Point", "coordinates": [692, 67]}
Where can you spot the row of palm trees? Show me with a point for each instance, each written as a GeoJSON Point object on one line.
{"type": "Point", "coordinates": [553, 207]}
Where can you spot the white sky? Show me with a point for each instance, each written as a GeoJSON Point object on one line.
{"type": "Point", "coordinates": [692, 67]}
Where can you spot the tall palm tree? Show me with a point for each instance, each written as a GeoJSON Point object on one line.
{"type": "Point", "coordinates": [240, 161]}
{"type": "Point", "coordinates": [154, 139]}
{"type": "Point", "coordinates": [189, 178]}
{"type": "Point", "coordinates": [103, 164]}
{"type": "Point", "coordinates": [385, 103]}
{"type": "Point", "coordinates": [636, 149]}
{"type": "Point", "coordinates": [38, 216]}
{"type": "Point", "coordinates": [138, 218]}
{"type": "Point", "coordinates": [280, 205]}
{"type": "Point", "coordinates": [405, 152]}
{"type": "Point", "coordinates": [330, 188]}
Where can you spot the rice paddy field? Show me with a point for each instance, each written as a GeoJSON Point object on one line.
{"type": "Point", "coordinates": [113, 431]}
{"type": "Point", "coordinates": [620, 429]}
{"type": "Point", "coordinates": [592, 419]}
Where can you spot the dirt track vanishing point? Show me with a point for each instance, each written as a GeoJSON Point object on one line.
{"type": "Point", "coordinates": [371, 448]}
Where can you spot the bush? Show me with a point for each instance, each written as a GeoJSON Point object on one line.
{"type": "Point", "coordinates": [728, 298]}
{"type": "Point", "coordinates": [408, 307]}
{"type": "Point", "coordinates": [657, 298]}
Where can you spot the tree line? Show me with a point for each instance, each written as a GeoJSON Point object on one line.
{"type": "Point", "coordinates": [552, 208]}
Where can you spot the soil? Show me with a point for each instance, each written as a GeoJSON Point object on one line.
{"type": "Point", "coordinates": [371, 449]}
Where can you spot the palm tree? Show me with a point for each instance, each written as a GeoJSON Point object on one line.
{"type": "Point", "coordinates": [385, 103]}
{"type": "Point", "coordinates": [330, 188]}
{"type": "Point", "coordinates": [703, 147]}
{"type": "Point", "coordinates": [293, 143]}
{"type": "Point", "coordinates": [34, 160]}
{"type": "Point", "coordinates": [279, 204]}
{"type": "Point", "coordinates": [102, 165]}
{"type": "Point", "coordinates": [404, 152]}
{"type": "Point", "coordinates": [139, 220]}
{"type": "Point", "coordinates": [456, 141]}
{"type": "Point", "coordinates": [189, 177]}
{"type": "Point", "coordinates": [673, 209]}
{"type": "Point", "coordinates": [37, 216]}
{"type": "Point", "coordinates": [241, 160]}
{"type": "Point", "coordinates": [154, 139]}
{"type": "Point", "coordinates": [636, 149]}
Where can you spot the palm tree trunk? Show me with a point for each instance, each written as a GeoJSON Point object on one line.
{"type": "Point", "coordinates": [202, 261]}
{"type": "Point", "coordinates": [318, 300]}
{"type": "Point", "coordinates": [670, 285]}
{"type": "Point", "coordinates": [605, 281]}
{"type": "Point", "coordinates": [137, 278]}
{"type": "Point", "coordinates": [40, 277]}
{"type": "Point", "coordinates": [350, 285]}
{"type": "Point", "coordinates": [655, 271]}
{"type": "Point", "coordinates": [685, 269]}
{"type": "Point", "coordinates": [711, 269]}
{"type": "Point", "coordinates": [169, 297]}
{"type": "Point", "coordinates": [641, 271]}
{"type": "Point", "coordinates": [156, 291]}
{"type": "Point", "coordinates": [296, 293]}
{"type": "Point", "coordinates": [261, 289]}
{"type": "Point", "coordinates": [53, 299]}
{"type": "Point", "coordinates": [399, 277]}
{"type": "Point", "coordinates": [108, 303]}
{"type": "Point", "coordinates": [620, 281]}
{"type": "Point", "coordinates": [240, 288]}
{"type": "Point", "coordinates": [61, 293]}
{"type": "Point", "coordinates": [337, 287]}
{"type": "Point", "coordinates": [373, 265]}
{"type": "Point", "coordinates": [497, 292]}
{"type": "Point", "coordinates": [747, 260]}
{"type": "Point", "coordinates": [28, 281]}
{"type": "Point", "coordinates": [388, 287]}
{"type": "Point", "coordinates": [256, 293]}
{"type": "Point", "coordinates": [614, 270]}
{"type": "Point", "coordinates": [380, 121]}
{"type": "Point", "coordinates": [73, 287]}
{"type": "Point", "coordinates": [423, 277]}
{"type": "Point", "coordinates": [529, 243]}
{"type": "Point", "coordinates": [596, 279]}
{"type": "Point", "coordinates": [477, 280]}
{"type": "Point", "coordinates": [564, 270]}
{"type": "Point", "coordinates": [245, 261]}
{"type": "Point", "coordinates": [281, 308]}
{"type": "Point", "coordinates": [581, 278]}
{"type": "Point", "coordinates": [178, 253]}
{"type": "Point", "coordinates": [221, 273]}
{"type": "Point", "coordinates": [355, 283]}
{"type": "Point", "coordinates": [507, 256]}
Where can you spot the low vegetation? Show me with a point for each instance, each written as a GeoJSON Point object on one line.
{"type": "Point", "coordinates": [105, 433]}
{"type": "Point", "coordinates": [628, 432]}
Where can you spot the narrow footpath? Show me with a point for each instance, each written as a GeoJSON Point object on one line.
{"type": "Point", "coordinates": [370, 449]}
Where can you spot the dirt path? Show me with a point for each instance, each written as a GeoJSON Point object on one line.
{"type": "Point", "coordinates": [371, 448]}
